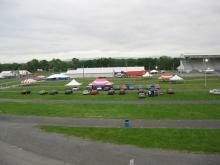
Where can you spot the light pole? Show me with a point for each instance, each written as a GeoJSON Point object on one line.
{"type": "Point", "coordinates": [205, 61]}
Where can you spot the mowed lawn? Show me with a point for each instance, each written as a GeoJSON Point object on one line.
{"type": "Point", "coordinates": [193, 112]}
{"type": "Point", "coordinates": [191, 140]}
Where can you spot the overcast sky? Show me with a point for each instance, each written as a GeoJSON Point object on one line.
{"type": "Point", "coordinates": [107, 28]}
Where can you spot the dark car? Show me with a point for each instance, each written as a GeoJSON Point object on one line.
{"type": "Point", "coordinates": [68, 91]}
{"type": "Point", "coordinates": [53, 92]}
{"type": "Point", "coordinates": [111, 92]}
{"type": "Point", "coordinates": [25, 92]}
{"type": "Point", "coordinates": [141, 91]}
{"type": "Point", "coordinates": [107, 88]}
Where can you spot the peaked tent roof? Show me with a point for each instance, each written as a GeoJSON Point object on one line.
{"type": "Point", "coordinates": [147, 74]}
{"type": "Point", "coordinates": [176, 78]}
{"type": "Point", "coordinates": [154, 71]}
{"type": "Point", "coordinates": [100, 82]}
{"type": "Point", "coordinates": [73, 83]}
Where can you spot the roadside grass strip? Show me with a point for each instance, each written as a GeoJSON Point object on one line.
{"type": "Point", "coordinates": [116, 111]}
{"type": "Point", "coordinates": [189, 140]}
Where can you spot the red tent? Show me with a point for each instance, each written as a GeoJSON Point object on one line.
{"type": "Point", "coordinates": [166, 76]}
{"type": "Point", "coordinates": [100, 82]}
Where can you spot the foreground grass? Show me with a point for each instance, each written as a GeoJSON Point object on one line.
{"type": "Point", "coordinates": [191, 140]}
{"type": "Point", "coordinates": [193, 112]}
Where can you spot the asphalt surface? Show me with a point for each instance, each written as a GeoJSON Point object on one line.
{"type": "Point", "coordinates": [89, 122]}
{"type": "Point", "coordinates": [23, 144]}
{"type": "Point", "coordinates": [141, 101]}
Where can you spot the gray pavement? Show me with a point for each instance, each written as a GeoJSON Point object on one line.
{"type": "Point", "coordinates": [141, 101]}
{"type": "Point", "coordinates": [23, 144]}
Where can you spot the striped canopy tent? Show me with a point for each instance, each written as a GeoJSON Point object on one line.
{"type": "Point", "coordinates": [166, 76]}
{"type": "Point", "coordinates": [100, 82]}
{"type": "Point", "coordinates": [28, 81]}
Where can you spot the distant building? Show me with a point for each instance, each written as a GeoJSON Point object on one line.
{"type": "Point", "coordinates": [105, 72]}
{"type": "Point", "coordinates": [24, 72]}
{"type": "Point", "coordinates": [199, 62]}
{"type": "Point", "coordinates": [8, 74]}
{"type": "Point", "coordinates": [14, 73]}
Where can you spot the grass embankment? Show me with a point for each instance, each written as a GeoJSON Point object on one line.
{"type": "Point", "coordinates": [193, 112]}
{"type": "Point", "coordinates": [192, 140]}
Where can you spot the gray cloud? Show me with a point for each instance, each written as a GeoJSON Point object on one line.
{"type": "Point", "coordinates": [102, 28]}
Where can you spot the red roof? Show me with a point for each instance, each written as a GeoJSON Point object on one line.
{"type": "Point", "coordinates": [100, 82]}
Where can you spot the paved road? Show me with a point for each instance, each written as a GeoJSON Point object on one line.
{"type": "Point", "coordinates": [111, 122]}
{"type": "Point", "coordinates": [23, 144]}
{"type": "Point", "coordinates": [110, 101]}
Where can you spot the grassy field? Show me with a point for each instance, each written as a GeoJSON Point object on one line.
{"type": "Point", "coordinates": [191, 140]}
{"type": "Point", "coordinates": [189, 83]}
{"type": "Point", "coordinates": [157, 112]}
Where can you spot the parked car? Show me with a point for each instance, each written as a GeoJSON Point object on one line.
{"type": "Point", "coordinates": [99, 88]}
{"type": "Point", "coordinates": [93, 92]}
{"type": "Point", "coordinates": [43, 92]}
{"type": "Point", "coordinates": [215, 91]}
{"type": "Point", "coordinates": [86, 92]}
{"type": "Point", "coordinates": [124, 87]}
{"type": "Point", "coordinates": [107, 88]}
{"type": "Point", "coordinates": [53, 92]}
{"type": "Point", "coordinates": [111, 92]}
{"type": "Point", "coordinates": [121, 92]}
{"type": "Point", "coordinates": [141, 95]}
{"type": "Point", "coordinates": [131, 86]}
{"type": "Point", "coordinates": [68, 91]}
{"type": "Point", "coordinates": [116, 87]}
{"type": "Point", "coordinates": [170, 91]}
{"type": "Point", "coordinates": [25, 92]}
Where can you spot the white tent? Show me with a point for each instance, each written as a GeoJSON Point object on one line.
{"type": "Point", "coordinates": [73, 83]}
{"type": "Point", "coordinates": [147, 74]}
{"type": "Point", "coordinates": [176, 78]}
{"type": "Point", "coordinates": [1, 76]}
{"type": "Point", "coordinates": [153, 71]}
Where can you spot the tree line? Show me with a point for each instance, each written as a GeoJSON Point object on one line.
{"type": "Point", "coordinates": [57, 65]}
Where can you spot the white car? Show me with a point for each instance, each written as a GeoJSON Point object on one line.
{"type": "Point", "coordinates": [209, 70]}
{"type": "Point", "coordinates": [215, 91]}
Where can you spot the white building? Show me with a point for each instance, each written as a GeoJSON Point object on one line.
{"type": "Point", "coordinates": [199, 62]}
{"type": "Point", "coordinates": [101, 72]}
{"type": "Point", "coordinates": [24, 72]}
{"type": "Point", "coordinates": [8, 74]}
